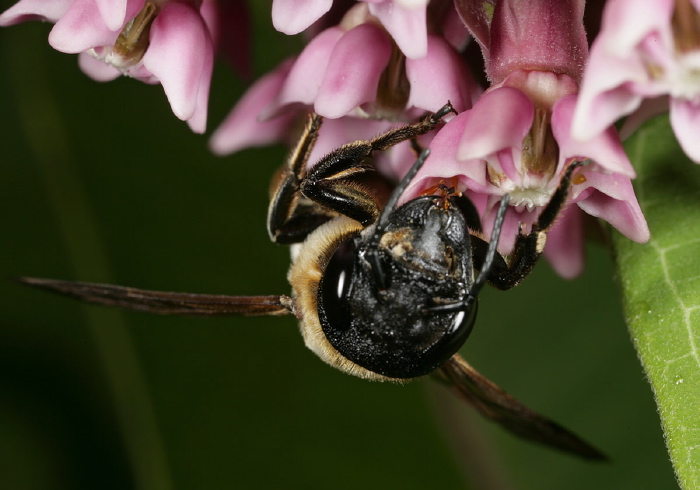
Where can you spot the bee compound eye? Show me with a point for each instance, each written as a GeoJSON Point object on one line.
{"type": "Point", "coordinates": [334, 287]}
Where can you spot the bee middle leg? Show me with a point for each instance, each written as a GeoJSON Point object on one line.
{"type": "Point", "coordinates": [508, 273]}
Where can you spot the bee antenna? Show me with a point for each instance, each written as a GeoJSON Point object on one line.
{"type": "Point", "coordinates": [383, 221]}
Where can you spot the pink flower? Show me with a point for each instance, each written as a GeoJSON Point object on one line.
{"type": "Point", "coordinates": [350, 70]}
{"type": "Point", "coordinates": [503, 145]}
{"type": "Point", "coordinates": [646, 49]}
{"type": "Point", "coordinates": [166, 41]}
{"type": "Point", "coordinates": [404, 20]}
{"type": "Point", "coordinates": [243, 128]}
{"type": "Point", "coordinates": [516, 139]}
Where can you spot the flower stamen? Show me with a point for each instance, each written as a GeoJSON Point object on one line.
{"type": "Point", "coordinates": [540, 149]}
{"type": "Point", "coordinates": [133, 41]}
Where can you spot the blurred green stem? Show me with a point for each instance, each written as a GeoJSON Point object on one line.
{"type": "Point", "coordinates": [43, 126]}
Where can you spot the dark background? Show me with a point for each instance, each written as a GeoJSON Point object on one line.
{"type": "Point", "coordinates": [101, 182]}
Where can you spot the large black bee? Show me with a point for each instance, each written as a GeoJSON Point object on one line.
{"type": "Point", "coordinates": [383, 293]}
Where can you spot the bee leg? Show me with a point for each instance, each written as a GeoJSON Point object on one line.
{"type": "Point", "coordinates": [291, 216]}
{"type": "Point", "coordinates": [529, 246]}
{"type": "Point", "coordinates": [332, 182]}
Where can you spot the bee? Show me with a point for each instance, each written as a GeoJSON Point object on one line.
{"type": "Point", "coordinates": [381, 292]}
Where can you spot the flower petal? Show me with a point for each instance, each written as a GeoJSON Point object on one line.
{"type": "Point", "coordinates": [26, 10]}
{"type": "Point", "coordinates": [605, 148]}
{"type": "Point", "coordinates": [438, 77]}
{"type": "Point", "coordinates": [353, 71]}
{"type": "Point", "coordinates": [626, 22]}
{"type": "Point", "coordinates": [96, 69]}
{"type": "Point", "coordinates": [198, 121]}
{"type": "Point", "coordinates": [293, 16]}
{"type": "Point", "coordinates": [177, 55]}
{"type": "Point", "coordinates": [407, 25]}
{"type": "Point", "coordinates": [113, 12]}
{"type": "Point", "coordinates": [81, 28]}
{"type": "Point", "coordinates": [442, 162]}
{"type": "Point", "coordinates": [500, 119]}
{"type": "Point", "coordinates": [614, 201]}
{"type": "Point", "coordinates": [564, 249]}
{"type": "Point", "coordinates": [685, 121]}
{"type": "Point", "coordinates": [606, 94]}
{"type": "Point", "coordinates": [305, 77]}
{"type": "Point", "coordinates": [242, 128]}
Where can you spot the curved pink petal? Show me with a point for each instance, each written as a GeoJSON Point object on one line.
{"type": "Point", "coordinates": [626, 22]}
{"type": "Point", "coordinates": [242, 128]}
{"type": "Point", "coordinates": [305, 77]}
{"type": "Point", "coordinates": [353, 71]}
{"type": "Point", "coordinates": [293, 16]}
{"type": "Point", "coordinates": [178, 54]}
{"type": "Point", "coordinates": [614, 201]}
{"type": "Point", "coordinates": [26, 10]}
{"type": "Point", "coordinates": [406, 25]}
{"type": "Point", "coordinates": [113, 12]}
{"type": "Point", "coordinates": [442, 161]}
{"type": "Point", "coordinates": [81, 28]}
{"type": "Point", "coordinates": [685, 121]}
{"type": "Point", "coordinates": [605, 148]}
{"type": "Point", "coordinates": [440, 76]}
{"type": "Point", "coordinates": [565, 243]}
{"type": "Point", "coordinates": [499, 120]}
{"type": "Point", "coordinates": [198, 121]}
{"type": "Point", "coordinates": [606, 93]}
{"type": "Point", "coordinates": [96, 69]}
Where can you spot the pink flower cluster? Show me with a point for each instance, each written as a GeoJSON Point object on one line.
{"type": "Point", "coordinates": [546, 101]}
{"type": "Point", "coordinates": [376, 67]}
{"type": "Point", "coordinates": [155, 41]}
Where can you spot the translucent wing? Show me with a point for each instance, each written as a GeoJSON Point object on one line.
{"type": "Point", "coordinates": [165, 303]}
{"type": "Point", "coordinates": [495, 404]}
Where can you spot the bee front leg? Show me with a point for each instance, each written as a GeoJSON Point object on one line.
{"type": "Point", "coordinates": [333, 181]}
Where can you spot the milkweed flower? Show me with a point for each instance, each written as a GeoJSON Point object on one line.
{"type": "Point", "coordinates": [516, 139]}
{"type": "Point", "coordinates": [353, 69]}
{"type": "Point", "coordinates": [646, 49]}
{"type": "Point", "coordinates": [155, 41]}
{"type": "Point", "coordinates": [404, 20]}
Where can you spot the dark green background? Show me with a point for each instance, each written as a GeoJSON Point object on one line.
{"type": "Point", "coordinates": [101, 182]}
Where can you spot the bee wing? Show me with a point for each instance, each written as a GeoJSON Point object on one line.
{"type": "Point", "coordinates": [495, 404]}
{"type": "Point", "coordinates": [164, 303]}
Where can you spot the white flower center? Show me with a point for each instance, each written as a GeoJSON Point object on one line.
{"type": "Point", "coordinates": [527, 197]}
{"type": "Point", "coordinates": [684, 82]}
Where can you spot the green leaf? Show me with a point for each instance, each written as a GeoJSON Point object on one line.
{"type": "Point", "coordinates": [661, 288]}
